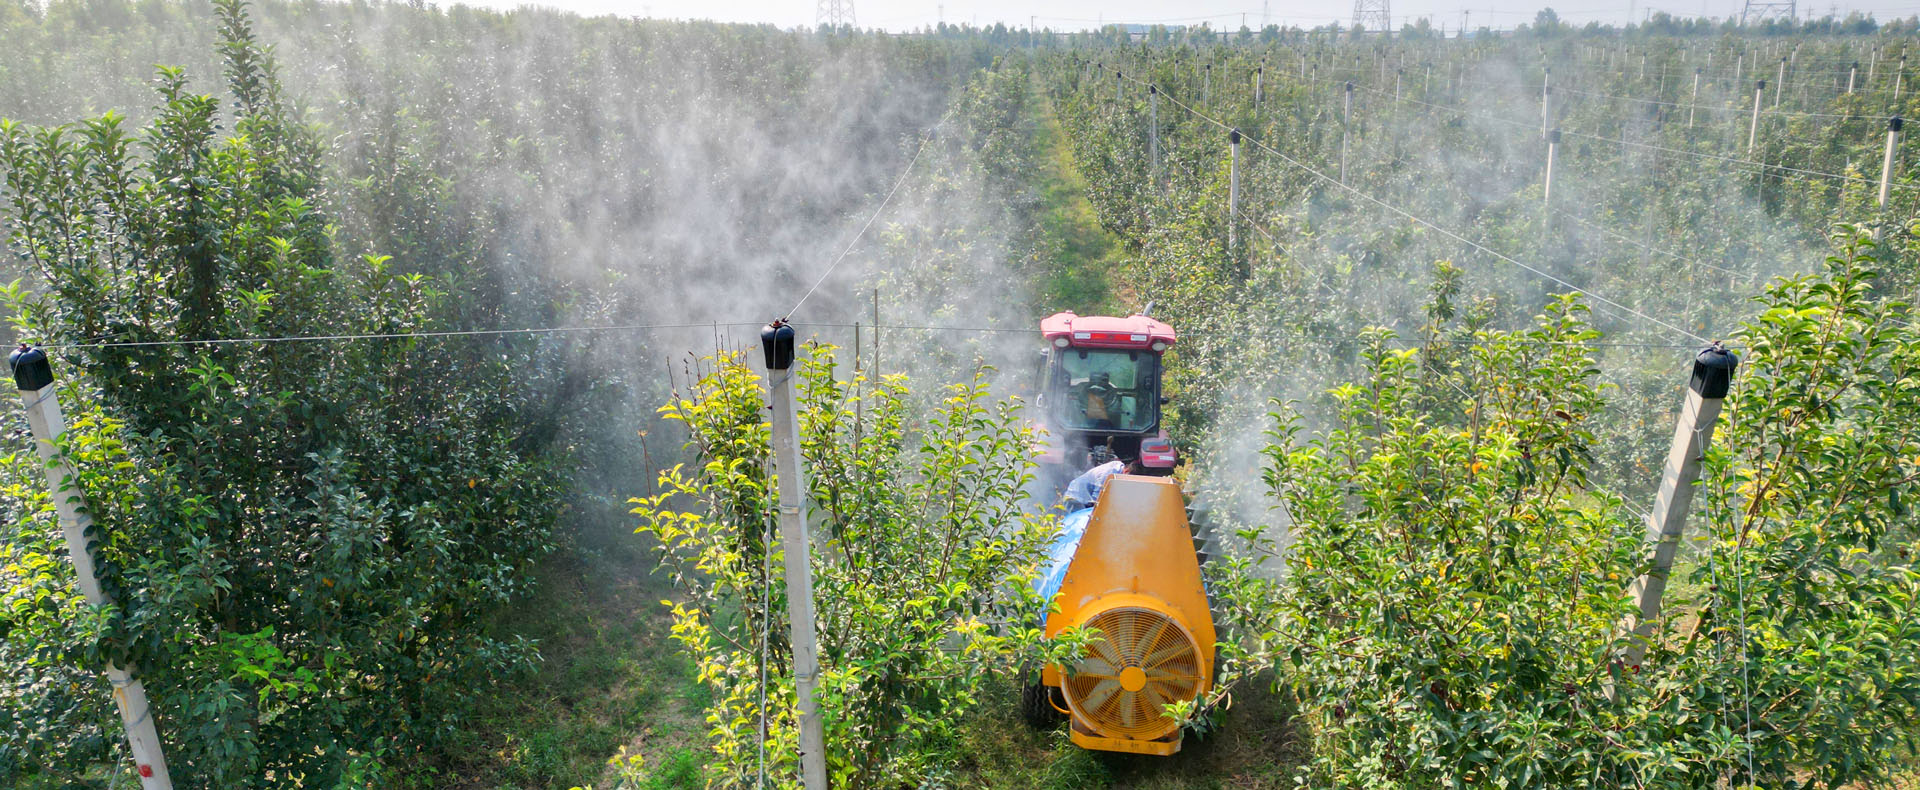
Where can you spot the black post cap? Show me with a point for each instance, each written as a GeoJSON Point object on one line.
{"type": "Point", "coordinates": [1233, 136]}
{"type": "Point", "coordinates": [1894, 123]}
{"type": "Point", "coordinates": [1554, 137]}
{"type": "Point", "coordinates": [1713, 371]}
{"type": "Point", "coordinates": [1153, 89]}
{"type": "Point", "coordinates": [1349, 86]}
{"type": "Point", "coordinates": [776, 341]}
{"type": "Point", "coordinates": [1763, 85]}
{"type": "Point", "coordinates": [31, 371]}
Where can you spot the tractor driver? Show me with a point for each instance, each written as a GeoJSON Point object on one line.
{"type": "Point", "coordinates": [1099, 401]}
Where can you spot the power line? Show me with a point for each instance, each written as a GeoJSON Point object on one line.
{"type": "Point", "coordinates": [648, 327]}
{"type": "Point", "coordinates": [224, 341]}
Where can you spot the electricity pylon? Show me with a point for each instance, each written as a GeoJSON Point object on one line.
{"type": "Point", "coordinates": [1372, 16]}
{"type": "Point", "coordinates": [1755, 13]}
{"type": "Point", "coordinates": [834, 14]}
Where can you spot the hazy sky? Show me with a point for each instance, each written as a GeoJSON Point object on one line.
{"type": "Point", "coordinates": [899, 15]}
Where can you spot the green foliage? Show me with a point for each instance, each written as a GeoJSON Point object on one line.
{"type": "Point", "coordinates": [925, 547]}
{"type": "Point", "coordinates": [1808, 623]}
{"type": "Point", "coordinates": [1452, 608]}
{"type": "Point", "coordinates": [300, 539]}
{"type": "Point", "coordinates": [1452, 583]}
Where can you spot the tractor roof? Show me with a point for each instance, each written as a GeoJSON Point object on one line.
{"type": "Point", "coordinates": [1099, 331]}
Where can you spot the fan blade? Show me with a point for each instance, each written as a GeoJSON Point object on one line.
{"type": "Point", "coordinates": [1095, 667]}
{"type": "Point", "coordinates": [1120, 638]}
{"type": "Point", "coordinates": [1153, 638]}
{"type": "Point", "coordinates": [1154, 700]}
{"type": "Point", "coordinates": [1165, 654]}
{"type": "Point", "coordinates": [1102, 691]}
{"type": "Point", "coordinates": [1172, 679]}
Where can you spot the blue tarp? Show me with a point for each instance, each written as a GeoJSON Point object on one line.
{"type": "Point", "coordinates": [1081, 495]}
{"type": "Point", "coordinates": [1067, 541]}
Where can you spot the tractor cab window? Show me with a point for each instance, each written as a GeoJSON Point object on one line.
{"type": "Point", "coordinates": [1113, 390]}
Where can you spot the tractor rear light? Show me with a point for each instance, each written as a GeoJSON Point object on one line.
{"type": "Point", "coordinates": [1156, 453]}
{"type": "Point", "coordinates": [1159, 346]}
{"type": "Point", "coordinates": [1061, 342]}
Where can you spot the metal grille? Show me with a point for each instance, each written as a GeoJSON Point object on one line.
{"type": "Point", "coordinates": [1141, 649]}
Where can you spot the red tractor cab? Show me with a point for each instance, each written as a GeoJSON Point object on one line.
{"type": "Point", "coordinates": [1099, 394]}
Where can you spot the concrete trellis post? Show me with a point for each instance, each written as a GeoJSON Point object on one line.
{"type": "Point", "coordinates": [1153, 134]}
{"type": "Point", "coordinates": [33, 376]}
{"type": "Point", "coordinates": [1695, 100]}
{"type": "Point", "coordinates": [1851, 72]}
{"type": "Point", "coordinates": [1206, 83]}
{"type": "Point", "coordinates": [1233, 194]}
{"type": "Point", "coordinates": [1346, 126]}
{"type": "Point", "coordinates": [1900, 79]}
{"type": "Point", "coordinates": [1259, 85]}
{"type": "Point", "coordinates": [1779, 83]}
{"type": "Point", "coordinates": [1886, 163]}
{"type": "Point", "coordinates": [1739, 67]}
{"type": "Point", "coordinates": [1546, 112]}
{"type": "Point", "coordinates": [1546, 95]}
{"type": "Point", "coordinates": [1398, 75]}
{"type": "Point", "coordinates": [1753, 129]}
{"type": "Point", "coordinates": [1119, 85]}
{"type": "Point", "coordinates": [776, 342]}
{"type": "Point", "coordinates": [1706, 391]}
{"type": "Point", "coordinates": [1553, 147]}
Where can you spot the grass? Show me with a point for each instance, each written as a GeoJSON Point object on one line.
{"type": "Point", "coordinates": [609, 678]}
{"type": "Point", "coordinates": [1253, 746]}
{"type": "Point", "coordinates": [1077, 260]}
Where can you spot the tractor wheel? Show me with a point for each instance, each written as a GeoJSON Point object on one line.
{"type": "Point", "coordinates": [1037, 701]}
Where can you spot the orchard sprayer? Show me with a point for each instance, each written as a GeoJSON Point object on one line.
{"type": "Point", "coordinates": [1124, 563]}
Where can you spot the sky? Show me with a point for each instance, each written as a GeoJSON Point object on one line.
{"type": "Point", "coordinates": [902, 15]}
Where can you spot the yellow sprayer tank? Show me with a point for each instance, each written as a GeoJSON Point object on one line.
{"type": "Point", "coordinates": [1136, 578]}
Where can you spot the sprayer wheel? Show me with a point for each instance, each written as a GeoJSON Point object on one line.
{"type": "Point", "coordinates": [1037, 701]}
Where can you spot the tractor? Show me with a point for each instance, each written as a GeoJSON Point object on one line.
{"type": "Point", "coordinates": [1123, 563]}
{"type": "Point", "coordinates": [1099, 395]}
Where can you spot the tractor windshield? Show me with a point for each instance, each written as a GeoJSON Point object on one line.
{"type": "Point", "coordinates": [1109, 389]}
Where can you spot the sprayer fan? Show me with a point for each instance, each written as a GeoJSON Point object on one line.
{"type": "Point", "coordinates": [1141, 660]}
